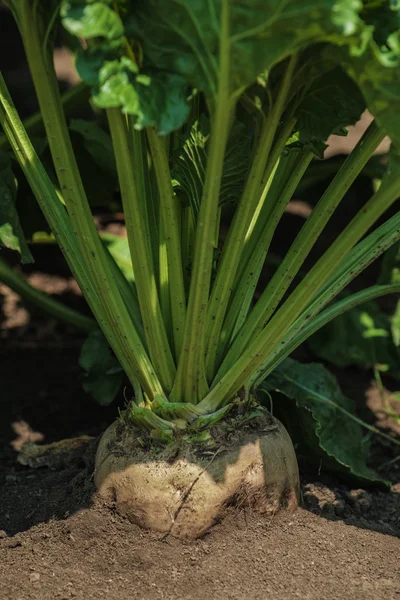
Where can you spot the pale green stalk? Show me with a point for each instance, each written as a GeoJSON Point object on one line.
{"type": "Point", "coordinates": [187, 238]}
{"type": "Point", "coordinates": [163, 282]}
{"type": "Point", "coordinates": [299, 250]}
{"type": "Point", "coordinates": [228, 384]}
{"type": "Point", "coordinates": [310, 321]}
{"type": "Point", "coordinates": [116, 326]}
{"type": "Point", "coordinates": [129, 295]}
{"type": "Point", "coordinates": [169, 211]}
{"type": "Point", "coordinates": [264, 205]}
{"type": "Point", "coordinates": [293, 341]}
{"type": "Point", "coordinates": [140, 248]}
{"type": "Point", "coordinates": [285, 183]}
{"type": "Point", "coordinates": [233, 246]}
{"type": "Point", "coordinates": [191, 383]}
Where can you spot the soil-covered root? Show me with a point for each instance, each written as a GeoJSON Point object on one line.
{"type": "Point", "coordinates": [184, 489]}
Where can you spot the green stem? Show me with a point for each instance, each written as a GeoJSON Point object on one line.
{"type": "Point", "coordinates": [43, 301]}
{"type": "Point", "coordinates": [272, 335]}
{"type": "Point", "coordinates": [312, 319]}
{"type": "Point", "coordinates": [187, 237]}
{"type": "Point", "coordinates": [233, 246]}
{"type": "Point", "coordinates": [129, 350]}
{"type": "Point", "coordinates": [113, 317]}
{"type": "Point", "coordinates": [300, 333]}
{"type": "Point", "coordinates": [264, 206]}
{"type": "Point", "coordinates": [299, 250]}
{"type": "Point", "coordinates": [140, 249]}
{"type": "Point", "coordinates": [129, 295]}
{"type": "Point", "coordinates": [170, 220]}
{"type": "Point", "coordinates": [288, 175]}
{"type": "Point", "coordinates": [164, 283]}
{"type": "Point", "coordinates": [191, 383]}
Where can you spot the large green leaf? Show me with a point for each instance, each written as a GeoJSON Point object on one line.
{"type": "Point", "coordinates": [11, 234]}
{"type": "Point", "coordinates": [331, 103]}
{"type": "Point", "coordinates": [193, 43]}
{"type": "Point", "coordinates": [187, 36]}
{"type": "Point", "coordinates": [103, 373]}
{"type": "Point", "coordinates": [321, 419]}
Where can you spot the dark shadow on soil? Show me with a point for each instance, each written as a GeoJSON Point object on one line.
{"type": "Point", "coordinates": [372, 510]}
{"type": "Point", "coordinates": [42, 396]}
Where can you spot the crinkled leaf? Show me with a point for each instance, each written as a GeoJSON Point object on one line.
{"type": "Point", "coordinates": [103, 373]}
{"type": "Point", "coordinates": [361, 336]}
{"type": "Point", "coordinates": [331, 103]}
{"type": "Point", "coordinates": [165, 100]}
{"type": "Point", "coordinates": [155, 98]}
{"type": "Point", "coordinates": [186, 36]}
{"type": "Point", "coordinates": [11, 234]}
{"type": "Point", "coordinates": [190, 43]}
{"type": "Point", "coordinates": [89, 62]}
{"type": "Point", "coordinates": [190, 161]}
{"type": "Point", "coordinates": [92, 19]}
{"type": "Point", "coordinates": [384, 17]}
{"type": "Point", "coordinates": [321, 419]}
{"type": "Point", "coordinates": [375, 67]}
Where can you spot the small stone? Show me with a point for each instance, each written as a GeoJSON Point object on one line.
{"type": "Point", "coordinates": [34, 577]}
{"type": "Point", "coordinates": [3, 534]}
